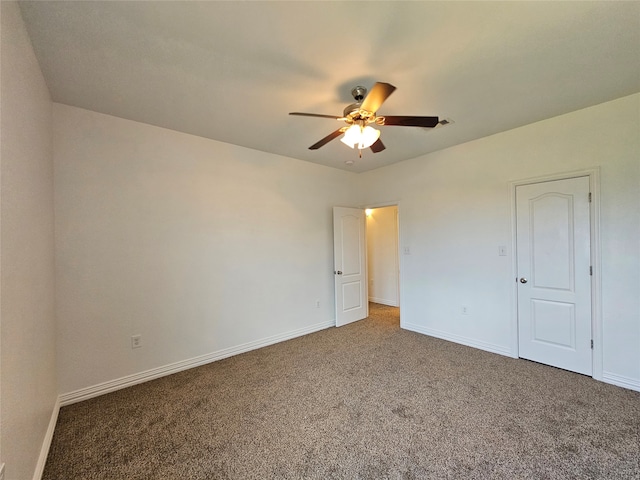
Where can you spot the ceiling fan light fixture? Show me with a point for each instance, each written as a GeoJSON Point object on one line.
{"type": "Point", "coordinates": [351, 136]}
{"type": "Point", "coordinates": [362, 137]}
{"type": "Point", "coordinates": [368, 137]}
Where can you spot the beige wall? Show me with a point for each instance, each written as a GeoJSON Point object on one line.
{"type": "Point", "coordinates": [28, 386]}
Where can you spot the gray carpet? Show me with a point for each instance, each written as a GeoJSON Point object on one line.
{"type": "Point", "coordinates": [364, 401]}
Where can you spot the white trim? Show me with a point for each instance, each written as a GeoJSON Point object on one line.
{"type": "Point", "coordinates": [596, 279]}
{"type": "Point", "coordinates": [130, 380]}
{"type": "Point", "coordinates": [391, 203]}
{"type": "Point", "coordinates": [401, 267]}
{"type": "Point", "coordinates": [382, 301]}
{"type": "Point", "coordinates": [514, 272]}
{"type": "Point", "coordinates": [46, 443]}
{"type": "Point", "coordinates": [621, 381]}
{"type": "Point", "coordinates": [469, 342]}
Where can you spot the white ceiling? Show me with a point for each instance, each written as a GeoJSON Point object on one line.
{"type": "Point", "coordinates": [231, 71]}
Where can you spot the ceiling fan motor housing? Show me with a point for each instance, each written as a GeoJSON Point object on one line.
{"type": "Point", "coordinates": [353, 113]}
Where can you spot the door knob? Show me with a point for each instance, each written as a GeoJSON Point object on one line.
{"type": "Point", "coordinates": [523, 280]}
{"type": "Point", "coordinates": [337, 272]}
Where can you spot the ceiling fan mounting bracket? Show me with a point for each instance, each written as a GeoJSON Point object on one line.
{"type": "Point", "coordinates": [359, 93]}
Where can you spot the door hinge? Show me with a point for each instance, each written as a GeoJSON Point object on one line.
{"type": "Point", "coordinates": [590, 270]}
{"type": "Point", "coordinates": [591, 344]}
{"type": "Point", "coordinates": [589, 197]}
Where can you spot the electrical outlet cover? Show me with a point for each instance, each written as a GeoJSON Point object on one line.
{"type": "Point", "coordinates": [136, 341]}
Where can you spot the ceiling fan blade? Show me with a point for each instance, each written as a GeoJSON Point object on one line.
{"type": "Point", "coordinates": [378, 94]}
{"type": "Point", "coordinates": [326, 139]}
{"type": "Point", "coordinates": [314, 115]}
{"type": "Point", "coordinates": [378, 146]}
{"type": "Point", "coordinates": [427, 122]}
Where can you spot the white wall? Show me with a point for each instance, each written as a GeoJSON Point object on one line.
{"type": "Point", "coordinates": [456, 211]}
{"type": "Point", "coordinates": [197, 245]}
{"type": "Point", "coordinates": [382, 255]}
{"type": "Point", "coordinates": [201, 246]}
{"type": "Point", "coordinates": [28, 376]}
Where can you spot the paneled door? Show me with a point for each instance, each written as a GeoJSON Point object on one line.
{"type": "Point", "coordinates": [350, 265]}
{"type": "Point", "coordinates": [554, 284]}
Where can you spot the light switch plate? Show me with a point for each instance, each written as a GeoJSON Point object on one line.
{"type": "Point", "coordinates": [502, 251]}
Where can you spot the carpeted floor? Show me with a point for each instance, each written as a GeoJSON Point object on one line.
{"type": "Point", "coordinates": [364, 401]}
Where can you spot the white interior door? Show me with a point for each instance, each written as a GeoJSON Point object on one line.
{"type": "Point", "coordinates": [554, 283]}
{"type": "Point", "coordinates": [349, 265]}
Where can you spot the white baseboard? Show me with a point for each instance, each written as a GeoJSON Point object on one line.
{"type": "Point", "coordinates": [469, 342]}
{"type": "Point", "coordinates": [46, 443]}
{"type": "Point", "coordinates": [607, 377]}
{"type": "Point", "coordinates": [382, 301]}
{"type": "Point", "coordinates": [130, 380]}
{"type": "Point", "coordinates": [621, 381]}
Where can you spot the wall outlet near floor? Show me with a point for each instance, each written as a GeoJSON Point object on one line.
{"type": "Point", "coordinates": [136, 341]}
{"type": "Point", "coordinates": [465, 310]}
{"type": "Point", "coordinates": [317, 303]}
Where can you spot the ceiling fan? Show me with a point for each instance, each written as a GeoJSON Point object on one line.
{"type": "Point", "coordinates": [359, 116]}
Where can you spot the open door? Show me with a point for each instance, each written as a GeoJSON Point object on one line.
{"type": "Point", "coordinates": [349, 253]}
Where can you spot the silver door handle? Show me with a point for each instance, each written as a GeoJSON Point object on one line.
{"type": "Point", "coordinates": [523, 280]}
{"type": "Point", "coordinates": [338, 272]}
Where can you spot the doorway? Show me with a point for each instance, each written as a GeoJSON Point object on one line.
{"type": "Point", "coordinates": [553, 245]}
{"type": "Point", "coordinates": [366, 260]}
{"type": "Point", "coordinates": [383, 269]}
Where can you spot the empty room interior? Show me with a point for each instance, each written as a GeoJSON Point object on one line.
{"type": "Point", "coordinates": [319, 240]}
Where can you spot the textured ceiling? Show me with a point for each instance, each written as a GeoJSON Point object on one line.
{"type": "Point", "coordinates": [231, 71]}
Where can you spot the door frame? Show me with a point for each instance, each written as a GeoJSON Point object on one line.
{"type": "Point", "coordinates": [596, 284]}
{"type": "Point", "coordinates": [400, 243]}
